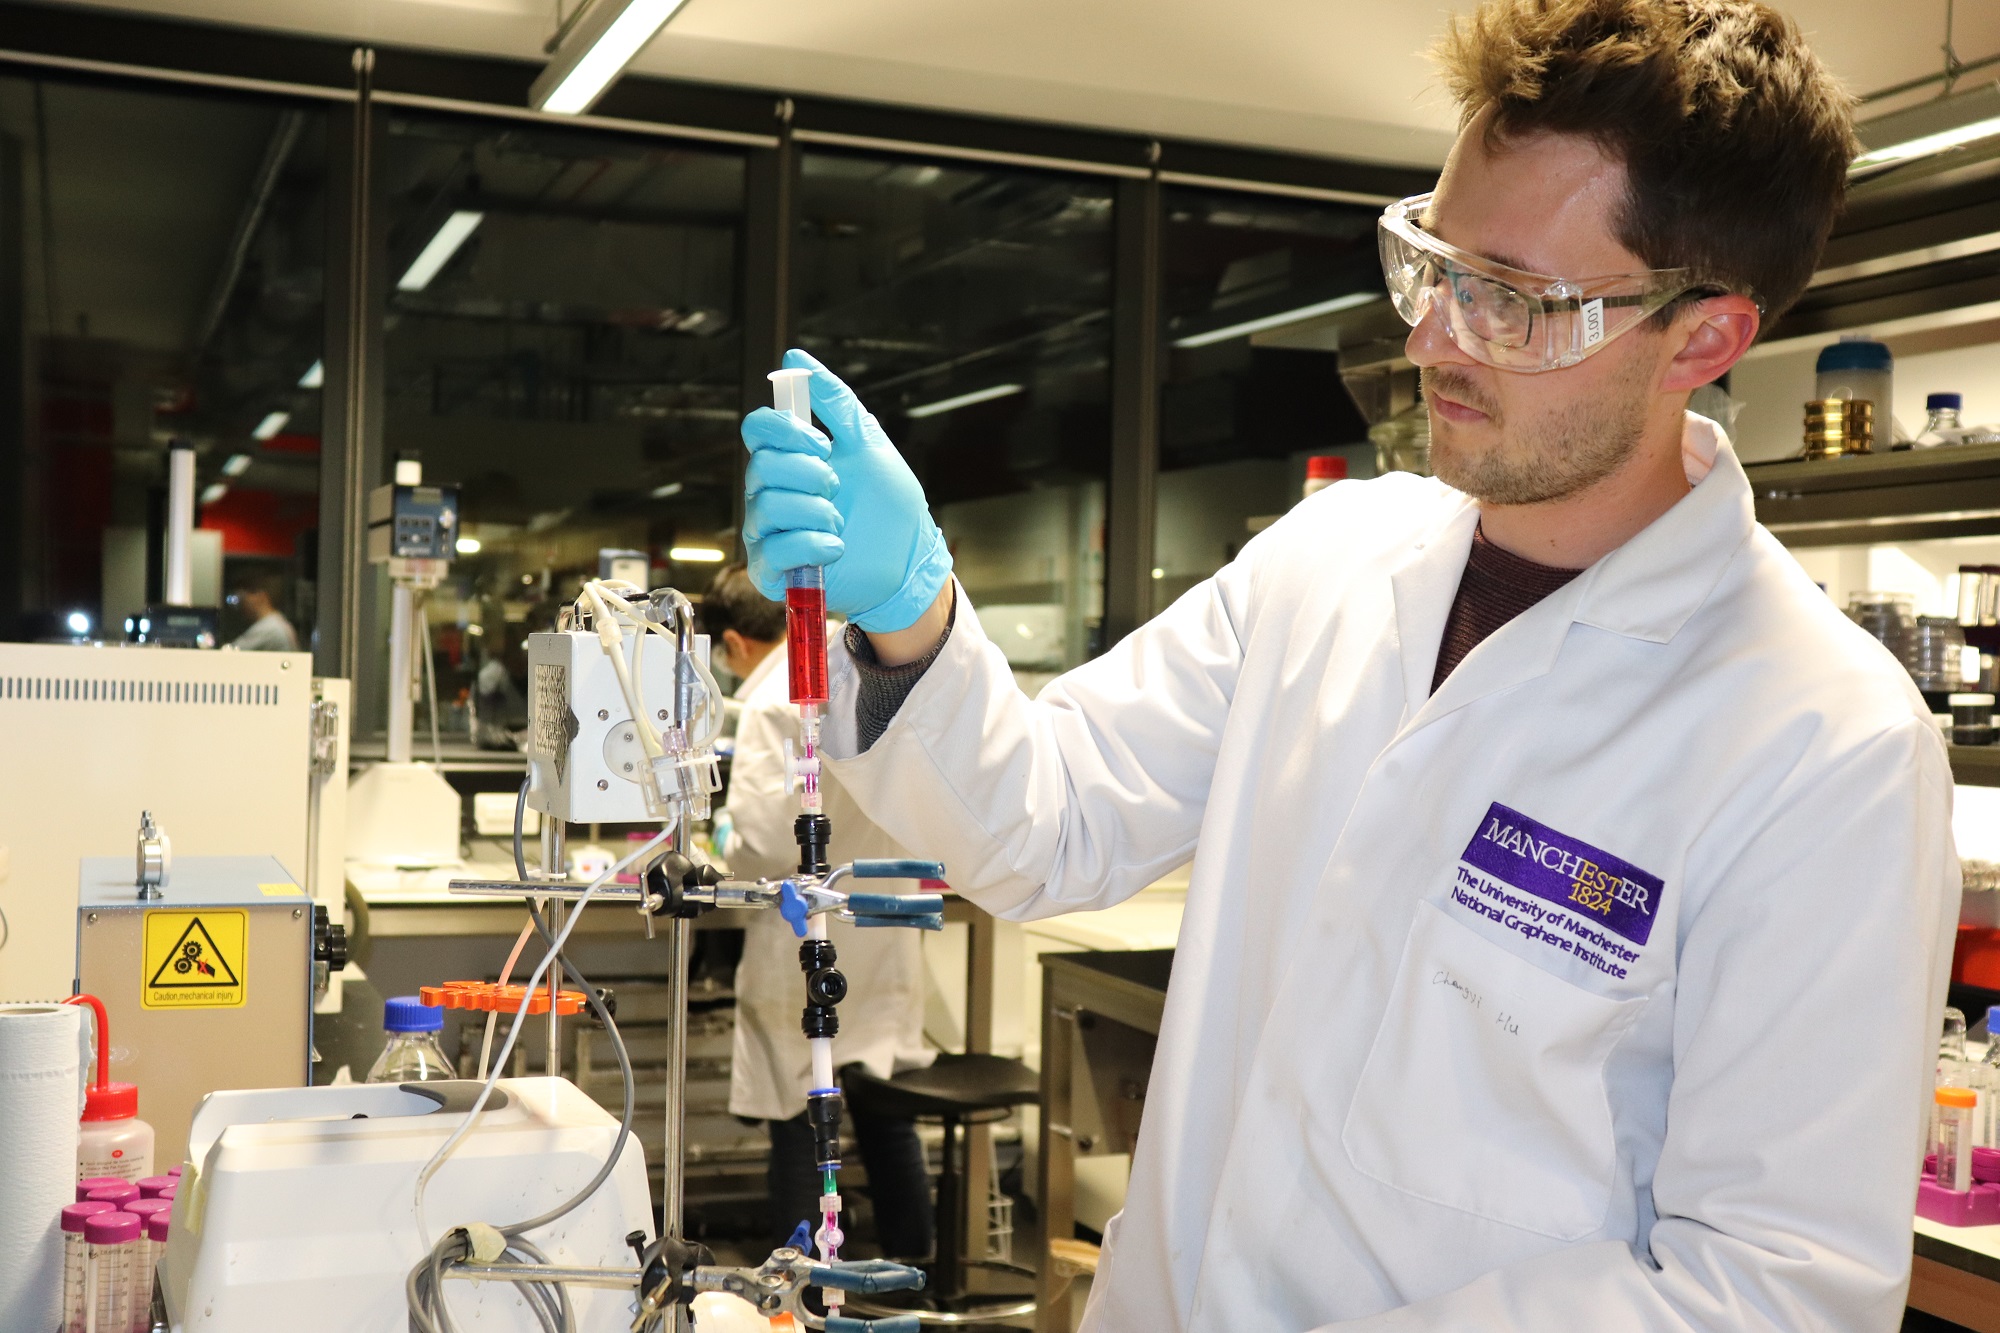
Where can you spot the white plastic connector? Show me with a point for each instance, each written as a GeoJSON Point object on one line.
{"type": "Point", "coordinates": [798, 767]}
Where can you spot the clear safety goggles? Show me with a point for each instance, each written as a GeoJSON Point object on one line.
{"type": "Point", "coordinates": [1508, 318]}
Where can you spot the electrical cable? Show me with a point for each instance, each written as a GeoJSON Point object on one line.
{"type": "Point", "coordinates": [427, 1307]}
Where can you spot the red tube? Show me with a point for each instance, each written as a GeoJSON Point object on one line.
{"type": "Point", "coordinates": [103, 1036]}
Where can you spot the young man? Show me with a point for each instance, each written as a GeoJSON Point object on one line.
{"type": "Point", "coordinates": [882, 1018]}
{"type": "Point", "coordinates": [269, 631]}
{"type": "Point", "coordinates": [1573, 885]}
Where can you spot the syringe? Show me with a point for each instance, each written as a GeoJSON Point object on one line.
{"type": "Point", "coordinates": [805, 652]}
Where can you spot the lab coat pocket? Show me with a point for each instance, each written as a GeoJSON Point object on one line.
{"type": "Point", "coordinates": [1484, 1090]}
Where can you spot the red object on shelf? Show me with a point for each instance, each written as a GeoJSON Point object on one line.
{"type": "Point", "coordinates": [1326, 467]}
{"type": "Point", "coordinates": [491, 997]}
{"type": "Point", "coordinates": [1975, 961]}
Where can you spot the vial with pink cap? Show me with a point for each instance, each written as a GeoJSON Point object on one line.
{"type": "Point", "coordinates": [75, 1256]}
{"type": "Point", "coordinates": [112, 1241]}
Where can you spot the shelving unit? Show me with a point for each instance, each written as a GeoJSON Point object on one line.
{"type": "Point", "coordinates": [1887, 497]}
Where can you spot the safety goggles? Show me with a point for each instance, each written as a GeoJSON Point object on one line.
{"type": "Point", "coordinates": [1506, 317]}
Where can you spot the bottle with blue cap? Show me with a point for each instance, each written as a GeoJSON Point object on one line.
{"type": "Point", "coordinates": [1860, 367]}
{"type": "Point", "coordinates": [1942, 421]}
{"type": "Point", "coordinates": [413, 1054]}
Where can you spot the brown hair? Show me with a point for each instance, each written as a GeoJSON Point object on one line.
{"type": "Point", "coordinates": [733, 602]}
{"type": "Point", "coordinates": [1735, 138]}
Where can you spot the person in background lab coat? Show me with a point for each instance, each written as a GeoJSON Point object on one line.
{"type": "Point", "coordinates": [1572, 887]}
{"type": "Point", "coordinates": [882, 1018]}
{"type": "Point", "coordinates": [256, 595]}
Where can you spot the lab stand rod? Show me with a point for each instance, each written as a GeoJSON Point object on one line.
{"type": "Point", "coordinates": [575, 1275]}
{"type": "Point", "coordinates": [178, 564]}
{"type": "Point", "coordinates": [672, 1164]}
{"type": "Point", "coordinates": [555, 864]}
{"type": "Point", "coordinates": [402, 704]}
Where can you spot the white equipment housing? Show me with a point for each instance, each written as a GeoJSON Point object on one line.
{"type": "Point", "coordinates": [584, 751]}
{"type": "Point", "coordinates": [218, 745]}
{"type": "Point", "coordinates": [297, 1215]}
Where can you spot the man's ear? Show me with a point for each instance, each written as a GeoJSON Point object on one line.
{"type": "Point", "coordinates": [1723, 329]}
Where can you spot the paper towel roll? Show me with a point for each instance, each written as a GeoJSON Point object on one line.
{"type": "Point", "coordinates": [39, 1070]}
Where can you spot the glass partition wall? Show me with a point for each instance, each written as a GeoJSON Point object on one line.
{"type": "Point", "coordinates": [969, 306]}
{"type": "Point", "coordinates": [561, 343]}
{"type": "Point", "coordinates": [161, 280]}
{"type": "Point", "coordinates": [1258, 293]}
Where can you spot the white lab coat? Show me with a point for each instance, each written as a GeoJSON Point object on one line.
{"type": "Point", "coordinates": [882, 1018]}
{"type": "Point", "coordinates": [1398, 1090]}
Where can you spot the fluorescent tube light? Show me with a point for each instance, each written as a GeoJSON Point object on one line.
{"type": "Point", "coordinates": [672, 488]}
{"type": "Point", "coordinates": [315, 376]}
{"type": "Point", "coordinates": [468, 546]}
{"type": "Point", "coordinates": [438, 251]}
{"type": "Point", "coordinates": [696, 555]}
{"type": "Point", "coordinates": [596, 52]}
{"type": "Point", "coordinates": [1924, 146]}
{"type": "Point", "coordinates": [272, 423]}
{"type": "Point", "coordinates": [1928, 128]}
{"type": "Point", "coordinates": [214, 491]}
{"type": "Point", "coordinates": [236, 465]}
{"type": "Point", "coordinates": [923, 410]}
{"type": "Point", "coordinates": [1282, 318]}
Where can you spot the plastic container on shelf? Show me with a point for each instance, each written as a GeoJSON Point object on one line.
{"type": "Point", "coordinates": [150, 1187]}
{"type": "Point", "coordinates": [1971, 719]}
{"type": "Point", "coordinates": [157, 1227]}
{"type": "Point", "coordinates": [76, 1254]}
{"type": "Point", "coordinates": [118, 1194]}
{"type": "Point", "coordinates": [412, 1054]}
{"type": "Point", "coordinates": [113, 1140]}
{"type": "Point", "coordinates": [1861, 368]}
{"type": "Point", "coordinates": [1403, 442]}
{"type": "Point", "coordinates": [1322, 470]}
{"type": "Point", "coordinates": [1938, 662]}
{"type": "Point", "coordinates": [112, 1243]}
{"type": "Point", "coordinates": [1891, 617]}
{"type": "Point", "coordinates": [88, 1183]}
{"type": "Point", "coordinates": [1941, 421]}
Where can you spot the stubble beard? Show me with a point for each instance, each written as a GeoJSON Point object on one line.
{"type": "Point", "coordinates": [1552, 456]}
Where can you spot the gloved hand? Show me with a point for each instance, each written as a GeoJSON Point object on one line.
{"type": "Point", "coordinates": [850, 504]}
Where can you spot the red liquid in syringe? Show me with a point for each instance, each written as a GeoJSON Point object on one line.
{"type": "Point", "coordinates": [805, 643]}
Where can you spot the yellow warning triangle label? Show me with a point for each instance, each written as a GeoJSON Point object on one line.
{"type": "Point", "coordinates": [194, 960]}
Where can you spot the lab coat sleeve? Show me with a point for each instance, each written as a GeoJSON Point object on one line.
{"type": "Point", "coordinates": [1810, 980]}
{"type": "Point", "coordinates": [762, 811]}
{"type": "Point", "coordinates": [1076, 799]}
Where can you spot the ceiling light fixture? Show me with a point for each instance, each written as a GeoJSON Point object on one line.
{"type": "Point", "coordinates": [437, 252]}
{"type": "Point", "coordinates": [595, 51]}
{"type": "Point", "coordinates": [213, 492]}
{"type": "Point", "coordinates": [468, 546]}
{"type": "Point", "coordinates": [272, 423]}
{"type": "Point", "coordinates": [315, 376]}
{"type": "Point", "coordinates": [672, 488]}
{"type": "Point", "coordinates": [923, 410]}
{"type": "Point", "coordinates": [1927, 129]}
{"type": "Point", "coordinates": [696, 555]}
{"type": "Point", "coordinates": [1279, 320]}
{"type": "Point", "coordinates": [236, 465]}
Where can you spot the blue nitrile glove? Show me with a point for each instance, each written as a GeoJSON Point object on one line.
{"type": "Point", "coordinates": [852, 505]}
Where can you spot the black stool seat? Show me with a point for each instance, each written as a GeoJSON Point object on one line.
{"type": "Point", "coordinates": [956, 1086]}
{"type": "Point", "coordinates": [957, 1090]}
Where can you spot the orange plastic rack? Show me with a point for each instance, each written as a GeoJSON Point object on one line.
{"type": "Point", "coordinates": [491, 997]}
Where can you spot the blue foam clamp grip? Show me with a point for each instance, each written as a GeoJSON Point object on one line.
{"type": "Point", "coordinates": [792, 907]}
{"type": "Point", "coordinates": [893, 869]}
{"type": "Point", "coordinates": [935, 921]}
{"type": "Point", "coordinates": [867, 1277]}
{"type": "Point", "coordinates": [802, 1238]}
{"type": "Point", "coordinates": [895, 904]}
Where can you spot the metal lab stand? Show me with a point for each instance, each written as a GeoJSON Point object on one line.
{"type": "Point", "coordinates": [1100, 1021]}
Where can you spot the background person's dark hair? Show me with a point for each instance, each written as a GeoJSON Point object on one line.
{"type": "Point", "coordinates": [1735, 138]}
{"type": "Point", "coordinates": [268, 582]}
{"type": "Point", "coordinates": [733, 602]}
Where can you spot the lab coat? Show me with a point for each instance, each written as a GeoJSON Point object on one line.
{"type": "Point", "coordinates": [1597, 991]}
{"type": "Point", "coordinates": [882, 1018]}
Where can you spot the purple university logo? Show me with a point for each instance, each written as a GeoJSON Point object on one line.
{"type": "Point", "coordinates": [1534, 858]}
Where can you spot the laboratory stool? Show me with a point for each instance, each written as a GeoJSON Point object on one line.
{"type": "Point", "coordinates": [957, 1090]}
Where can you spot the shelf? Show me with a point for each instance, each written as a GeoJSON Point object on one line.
{"type": "Point", "coordinates": [1886, 497]}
